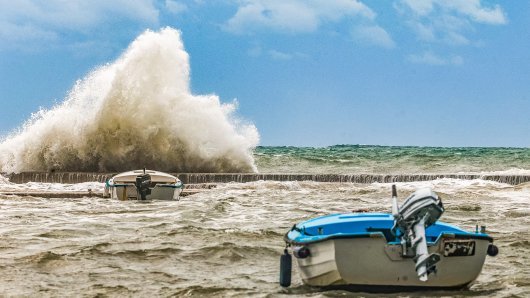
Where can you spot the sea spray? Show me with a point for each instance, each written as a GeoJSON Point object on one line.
{"type": "Point", "coordinates": [3, 180]}
{"type": "Point", "coordinates": [137, 111]}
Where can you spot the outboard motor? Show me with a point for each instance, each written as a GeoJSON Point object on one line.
{"type": "Point", "coordinates": [419, 211]}
{"type": "Point", "coordinates": [142, 185]}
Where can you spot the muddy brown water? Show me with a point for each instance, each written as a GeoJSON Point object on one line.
{"type": "Point", "coordinates": [227, 241]}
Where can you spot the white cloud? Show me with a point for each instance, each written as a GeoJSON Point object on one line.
{"type": "Point", "coordinates": [15, 33]}
{"type": "Point", "coordinates": [307, 16]}
{"type": "Point", "coordinates": [34, 20]}
{"type": "Point", "coordinates": [277, 55]}
{"type": "Point", "coordinates": [421, 7]}
{"type": "Point", "coordinates": [448, 21]}
{"type": "Point", "coordinates": [294, 16]}
{"type": "Point", "coordinates": [374, 35]}
{"type": "Point", "coordinates": [432, 59]}
{"type": "Point", "coordinates": [77, 14]}
{"type": "Point", "coordinates": [469, 8]}
{"type": "Point", "coordinates": [474, 9]}
{"type": "Point", "coordinates": [175, 7]}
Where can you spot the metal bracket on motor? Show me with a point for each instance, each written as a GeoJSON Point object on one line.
{"type": "Point", "coordinates": [419, 211]}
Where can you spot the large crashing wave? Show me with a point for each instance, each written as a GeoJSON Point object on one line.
{"type": "Point", "coordinates": [136, 112]}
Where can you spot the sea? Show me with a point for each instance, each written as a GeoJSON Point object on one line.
{"type": "Point", "coordinates": [139, 111]}
{"type": "Point", "coordinates": [227, 241]}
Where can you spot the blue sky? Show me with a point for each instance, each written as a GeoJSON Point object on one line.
{"type": "Point", "coordinates": [306, 73]}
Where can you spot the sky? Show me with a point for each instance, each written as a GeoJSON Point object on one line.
{"type": "Point", "coordinates": [305, 72]}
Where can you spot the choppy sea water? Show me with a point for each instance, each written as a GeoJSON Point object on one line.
{"type": "Point", "coordinates": [227, 241]}
{"type": "Point", "coordinates": [354, 159]}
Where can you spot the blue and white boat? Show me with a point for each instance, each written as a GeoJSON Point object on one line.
{"type": "Point", "coordinates": [409, 248]}
{"type": "Point", "coordinates": [143, 185]}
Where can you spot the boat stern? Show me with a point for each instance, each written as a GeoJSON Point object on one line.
{"type": "Point", "coordinates": [159, 186]}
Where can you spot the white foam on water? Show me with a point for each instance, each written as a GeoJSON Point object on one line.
{"type": "Point", "coordinates": [449, 186]}
{"type": "Point", "coordinates": [4, 180]}
{"type": "Point", "coordinates": [135, 112]}
{"type": "Point", "coordinates": [51, 187]}
{"type": "Point", "coordinates": [512, 171]}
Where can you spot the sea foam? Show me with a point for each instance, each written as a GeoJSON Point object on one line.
{"type": "Point", "coordinates": [135, 112]}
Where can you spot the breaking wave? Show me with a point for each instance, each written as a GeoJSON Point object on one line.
{"type": "Point", "coordinates": [135, 112]}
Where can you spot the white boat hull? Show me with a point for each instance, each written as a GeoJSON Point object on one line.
{"type": "Point", "coordinates": [129, 192]}
{"type": "Point", "coordinates": [371, 261]}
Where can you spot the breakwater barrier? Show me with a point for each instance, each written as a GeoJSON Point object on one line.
{"type": "Point", "coordinates": [199, 178]}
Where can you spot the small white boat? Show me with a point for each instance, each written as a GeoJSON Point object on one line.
{"type": "Point", "coordinates": [143, 185]}
{"type": "Point", "coordinates": [385, 252]}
